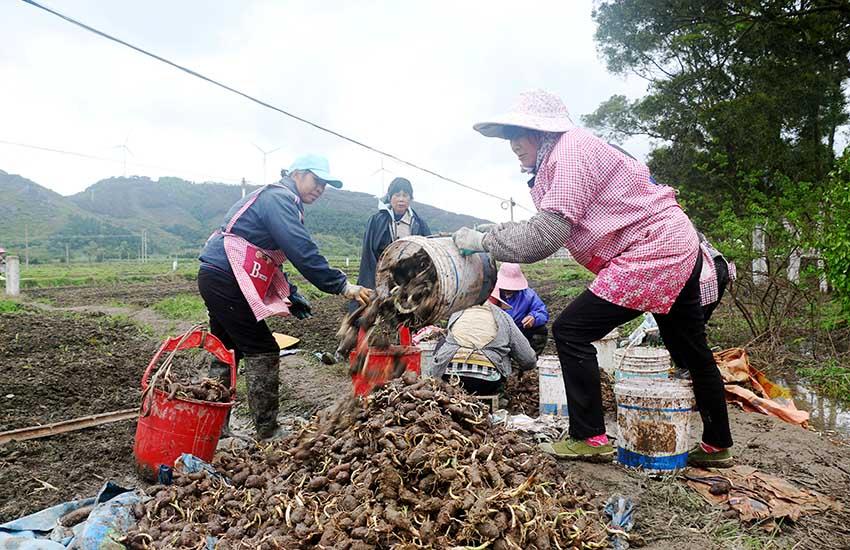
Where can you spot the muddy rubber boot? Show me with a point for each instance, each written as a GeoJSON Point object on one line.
{"type": "Point", "coordinates": [220, 371]}
{"type": "Point", "coordinates": [261, 374]}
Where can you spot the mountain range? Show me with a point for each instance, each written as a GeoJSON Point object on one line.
{"type": "Point", "coordinates": [109, 218]}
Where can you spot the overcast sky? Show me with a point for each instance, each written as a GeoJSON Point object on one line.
{"type": "Point", "coordinates": [410, 78]}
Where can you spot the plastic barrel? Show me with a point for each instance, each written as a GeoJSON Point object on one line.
{"type": "Point", "coordinates": [553, 396]}
{"type": "Point", "coordinates": [653, 419]}
{"type": "Point", "coordinates": [641, 362]}
{"type": "Point", "coordinates": [167, 427]}
{"type": "Point", "coordinates": [462, 281]}
{"type": "Point", "coordinates": [605, 348]}
{"type": "Point", "coordinates": [427, 349]}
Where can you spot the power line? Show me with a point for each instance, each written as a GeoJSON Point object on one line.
{"type": "Point", "coordinates": [264, 103]}
{"type": "Point", "coordinates": [106, 159]}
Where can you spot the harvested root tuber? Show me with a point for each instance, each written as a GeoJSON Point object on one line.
{"type": "Point", "coordinates": [394, 471]}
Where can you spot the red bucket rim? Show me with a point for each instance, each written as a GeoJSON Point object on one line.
{"type": "Point", "coordinates": [164, 395]}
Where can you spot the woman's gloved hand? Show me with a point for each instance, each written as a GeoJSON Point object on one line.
{"type": "Point", "coordinates": [300, 306]}
{"type": "Point", "coordinates": [469, 241]}
{"type": "Point", "coordinates": [356, 292]}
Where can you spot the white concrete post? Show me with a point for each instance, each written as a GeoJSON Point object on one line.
{"type": "Point", "coordinates": [794, 266]}
{"type": "Point", "coordinates": [760, 261]}
{"type": "Point", "coordinates": [13, 276]}
{"type": "Point", "coordinates": [346, 261]}
{"type": "Point", "coordinates": [824, 284]}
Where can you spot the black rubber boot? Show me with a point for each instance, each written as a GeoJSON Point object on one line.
{"type": "Point", "coordinates": [220, 371]}
{"type": "Point", "coordinates": [261, 373]}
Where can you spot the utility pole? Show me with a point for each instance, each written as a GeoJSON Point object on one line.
{"type": "Point", "coordinates": [67, 255]}
{"type": "Point", "coordinates": [244, 187]}
{"type": "Point", "coordinates": [27, 245]}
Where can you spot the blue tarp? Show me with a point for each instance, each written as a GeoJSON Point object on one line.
{"type": "Point", "coordinates": [108, 521]}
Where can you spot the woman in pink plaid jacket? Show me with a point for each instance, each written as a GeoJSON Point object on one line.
{"type": "Point", "coordinates": [605, 208]}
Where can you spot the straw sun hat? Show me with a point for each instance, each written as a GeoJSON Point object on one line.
{"type": "Point", "coordinates": [534, 109]}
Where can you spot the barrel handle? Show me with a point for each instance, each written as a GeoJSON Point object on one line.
{"type": "Point", "coordinates": [194, 339]}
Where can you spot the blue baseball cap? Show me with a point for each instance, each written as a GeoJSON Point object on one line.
{"type": "Point", "coordinates": [319, 166]}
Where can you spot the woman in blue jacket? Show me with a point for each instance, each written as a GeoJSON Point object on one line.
{"type": "Point", "coordinates": [526, 308]}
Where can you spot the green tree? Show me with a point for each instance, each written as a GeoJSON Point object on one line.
{"type": "Point", "coordinates": [746, 96]}
{"type": "Point", "coordinates": [834, 242]}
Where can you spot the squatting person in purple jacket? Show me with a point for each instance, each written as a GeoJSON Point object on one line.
{"type": "Point", "coordinates": [524, 305]}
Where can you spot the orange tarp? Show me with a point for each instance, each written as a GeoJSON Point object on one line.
{"type": "Point", "coordinates": [765, 397]}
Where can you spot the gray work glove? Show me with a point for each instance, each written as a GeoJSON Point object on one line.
{"type": "Point", "coordinates": [469, 241]}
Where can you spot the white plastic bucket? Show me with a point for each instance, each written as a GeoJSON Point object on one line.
{"type": "Point", "coordinates": [427, 361]}
{"type": "Point", "coordinates": [605, 349]}
{"type": "Point", "coordinates": [641, 362]}
{"type": "Point", "coordinates": [653, 419]}
{"type": "Point", "coordinates": [553, 397]}
{"type": "Point", "coordinates": [462, 281]}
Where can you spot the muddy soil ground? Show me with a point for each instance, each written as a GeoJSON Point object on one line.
{"type": "Point", "coordinates": [137, 294]}
{"type": "Point", "coordinates": [57, 367]}
{"type": "Point", "coordinates": [84, 364]}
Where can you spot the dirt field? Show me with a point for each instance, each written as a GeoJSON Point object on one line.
{"type": "Point", "coordinates": [60, 366]}
{"type": "Point", "coordinates": [138, 294]}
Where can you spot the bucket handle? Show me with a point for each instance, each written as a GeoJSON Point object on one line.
{"type": "Point", "coordinates": [194, 339]}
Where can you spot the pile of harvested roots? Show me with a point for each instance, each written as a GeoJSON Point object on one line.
{"type": "Point", "coordinates": [206, 389]}
{"type": "Point", "coordinates": [523, 394]}
{"type": "Point", "coordinates": [409, 299]}
{"type": "Point", "coordinates": [417, 465]}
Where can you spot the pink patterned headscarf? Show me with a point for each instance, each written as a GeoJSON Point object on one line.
{"type": "Point", "coordinates": [547, 142]}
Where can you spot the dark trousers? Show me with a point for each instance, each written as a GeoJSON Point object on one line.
{"type": "Point", "coordinates": [537, 337]}
{"type": "Point", "coordinates": [477, 386]}
{"type": "Point", "coordinates": [722, 269]}
{"type": "Point", "coordinates": [589, 318]}
{"type": "Point", "coordinates": [231, 318]}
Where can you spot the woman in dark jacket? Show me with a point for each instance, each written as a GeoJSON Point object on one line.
{"type": "Point", "coordinates": [395, 220]}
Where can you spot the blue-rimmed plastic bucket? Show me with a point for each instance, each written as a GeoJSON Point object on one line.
{"type": "Point", "coordinates": [641, 362]}
{"type": "Point", "coordinates": [653, 418]}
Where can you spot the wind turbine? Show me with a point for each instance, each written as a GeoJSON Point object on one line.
{"type": "Point", "coordinates": [125, 150]}
{"type": "Point", "coordinates": [381, 171]}
{"type": "Point", "coordinates": [265, 154]}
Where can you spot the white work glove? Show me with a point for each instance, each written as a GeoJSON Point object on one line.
{"type": "Point", "coordinates": [469, 241]}
{"type": "Point", "coordinates": [356, 292]}
{"type": "Point", "coordinates": [486, 227]}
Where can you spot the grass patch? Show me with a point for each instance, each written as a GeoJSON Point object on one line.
{"type": "Point", "coordinates": [630, 326]}
{"type": "Point", "coordinates": [122, 321]}
{"type": "Point", "coordinates": [830, 380]}
{"type": "Point", "coordinates": [570, 291]}
{"type": "Point", "coordinates": [572, 273]}
{"type": "Point", "coordinates": [9, 306]}
{"type": "Point", "coordinates": [187, 307]}
{"type": "Point", "coordinates": [305, 288]}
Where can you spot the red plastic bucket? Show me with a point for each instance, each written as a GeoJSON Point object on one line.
{"type": "Point", "coordinates": [167, 427]}
{"type": "Point", "coordinates": [381, 363]}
